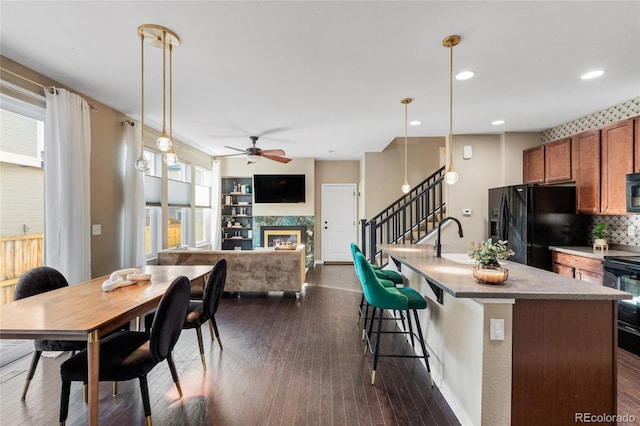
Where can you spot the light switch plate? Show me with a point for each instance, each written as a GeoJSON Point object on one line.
{"type": "Point", "coordinates": [96, 229]}
{"type": "Point", "coordinates": [466, 212]}
{"type": "Point", "coordinates": [496, 329]}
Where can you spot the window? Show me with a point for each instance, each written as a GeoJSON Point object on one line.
{"type": "Point", "coordinates": [202, 231]}
{"type": "Point", "coordinates": [187, 203]}
{"type": "Point", "coordinates": [22, 127]}
{"type": "Point", "coordinates": [153, 198]}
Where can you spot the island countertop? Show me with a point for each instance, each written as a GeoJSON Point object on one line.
{"type": "Point", "coordinates": [524, 282]}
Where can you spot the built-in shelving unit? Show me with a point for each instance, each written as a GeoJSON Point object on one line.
{"type": "Point", "coordinates": [237, 213]}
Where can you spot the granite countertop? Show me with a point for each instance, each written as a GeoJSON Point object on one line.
{"type": "Point", "coordinates": [524, 282]}
{"type": "Point", "coordinates": [587, 251]}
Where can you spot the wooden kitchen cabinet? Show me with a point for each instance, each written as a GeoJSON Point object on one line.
{"type": "Point", "coordinates": [617, 162]}
{"type": "Point", "coordinates": [636, 139]}
{"type": "Point", "coordinates": [586, 153]}
{"type": "Point", "coordinates": [579, 267]}
{"type": "Point", "coordinates": [557, 161]}
{"type": "Point", "coordinates": [533, 165]}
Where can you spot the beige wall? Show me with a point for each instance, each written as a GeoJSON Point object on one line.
{"type": "Point", "coordinates": [384, 171]}
{"type": "Point", "coordinates": [330, 172]}
{"type": "Point", "coordinates": [496, 161]}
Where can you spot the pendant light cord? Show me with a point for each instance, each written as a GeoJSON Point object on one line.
{"type": "Point", "coordinates": [450, 169]}
{"type": "Point", "coordinates": [405, 141]}
{"type": "Point", "coordinates": [164, 84]}
{"type": "Point", "coordinates": [142, 95]}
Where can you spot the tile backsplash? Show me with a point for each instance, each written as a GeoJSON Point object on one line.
{"type": "Point", "coordinates": [617, 227]}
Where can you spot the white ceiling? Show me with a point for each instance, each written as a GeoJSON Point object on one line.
{"type": "Point", "coordinates": [325, 79]}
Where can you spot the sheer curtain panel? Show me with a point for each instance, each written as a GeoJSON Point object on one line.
{"type": "Point", "coordinates": [132, 226]}
{"type": "Point", "coordinates": [66, 185]}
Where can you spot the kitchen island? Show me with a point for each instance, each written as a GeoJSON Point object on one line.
{"type": "Point", "coordinates": [553, 356]}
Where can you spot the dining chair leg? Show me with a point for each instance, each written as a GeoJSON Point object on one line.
{"type": "Point", "coordinates": [32, 370]}
{"type": "Point", "coordinates": [201, 346]}
{"type": "Point", "coordinates": [115, 388]}
{"type": "Point", "coordinates": [211, 328]}
{"type": "Point", "coordinates": [64, 402]}
{"type": "Point", "coordinates": [144, 389]}
{"type": "Point", "coordinates": [217, 333]}
{"type": "Point", "coordinates": [174, 373]}
{"type": "Point", "coordinates": [85, 393]}
{"type": "Point", "coordinates": [375, 353]}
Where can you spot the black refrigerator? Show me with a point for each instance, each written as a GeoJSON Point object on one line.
{"type": "Point", "coordinates": [532, 218]}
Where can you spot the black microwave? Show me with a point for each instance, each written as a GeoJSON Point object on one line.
{"type": "Point", "coordinates": [633, 193]}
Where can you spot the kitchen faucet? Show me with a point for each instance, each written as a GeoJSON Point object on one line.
{"type": "Point", "coordinates": [438, 246]}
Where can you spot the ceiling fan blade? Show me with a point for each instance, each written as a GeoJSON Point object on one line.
{"type": "Point", "coordinates": [236, 149]}
{"type": "Point", "coordinates": [277, 158]}
{"type": "Point", "coordinates": [272, 152]}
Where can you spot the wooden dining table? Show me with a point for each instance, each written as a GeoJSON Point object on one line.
{"type": "Point", "coordinates": [85, 312]}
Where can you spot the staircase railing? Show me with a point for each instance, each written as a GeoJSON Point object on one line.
{"type": "Point", "coordinates": [406, 220]}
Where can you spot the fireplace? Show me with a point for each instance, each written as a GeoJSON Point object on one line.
{"type": "Point", "coordinates": [282, 236]}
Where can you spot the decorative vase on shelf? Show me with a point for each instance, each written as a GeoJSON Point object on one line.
{"type": "Point", "coordinates": [490, 273]}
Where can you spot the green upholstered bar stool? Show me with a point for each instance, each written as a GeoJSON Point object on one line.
{"type": "Point", "coordinates": [388, 278]}
{"type": "Point", "coordinates": [381, 298]}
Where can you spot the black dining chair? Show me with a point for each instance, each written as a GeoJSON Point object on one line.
{"type": "Point", "coordinates": [40, 280]}
{"type": "Point", "coordinates": [127, 355]}
{"type": "Point", "coordinates": [201, 311]}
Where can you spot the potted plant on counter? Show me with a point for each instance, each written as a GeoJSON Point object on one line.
{"type": "Point", "coordinates": [487, 254]}
{"type": "Point", "coordinates": [600, 235]}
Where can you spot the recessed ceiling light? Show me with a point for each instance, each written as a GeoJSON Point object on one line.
{"type": "Point", "coordinates": [465, 75]}
{"type": "Point", "coordinates": [497, 122]}
{"type": "Point", "coordinates": [415, 123]}
{"type": "Point", "coordinates": [592, 74]}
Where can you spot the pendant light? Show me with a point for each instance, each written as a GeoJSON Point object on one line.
{"type": "Point", "coordinates": [451, 176]}
{"type": "Point", "coordinates": [142, 164]}
{"type": "Point", "coordinates": [405, 186]}
{"type": "Point", "coordinates": [164, 38]}
{"type": "Point", "coordinates": [170, 157]}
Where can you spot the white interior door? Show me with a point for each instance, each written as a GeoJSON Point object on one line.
{"type": "Point", "coordinates": [339, 219]}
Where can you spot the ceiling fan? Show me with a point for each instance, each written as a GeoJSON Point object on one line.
{"type": "Point", "coordinates": [254, 153]}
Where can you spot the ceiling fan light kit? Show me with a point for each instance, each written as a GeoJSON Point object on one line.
{"type": "Point", "coordinates": [164, 38]}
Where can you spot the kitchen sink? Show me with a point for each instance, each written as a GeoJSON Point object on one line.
{"type": "Point", "coordinates": [459, 258]}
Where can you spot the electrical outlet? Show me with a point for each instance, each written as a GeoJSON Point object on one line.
{"type": "Point", "coordinates": [631, 231]}
{"type": "Point", "coordinates": [496, 329]}
{"type": "Point", "coordinates": [96, 229]}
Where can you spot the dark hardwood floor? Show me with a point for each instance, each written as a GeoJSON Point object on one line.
{"type": "Point", "coordinates": [284, 362]}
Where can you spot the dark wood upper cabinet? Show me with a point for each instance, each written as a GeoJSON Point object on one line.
{"type": "Point", "coordinates": [533, 165]}
{"type": "Point", "coordinates": [557, 158]}
{"type": "Point", "coordinates": [586, 148]}
{"type": "Point", "coordinates": [617, 162]}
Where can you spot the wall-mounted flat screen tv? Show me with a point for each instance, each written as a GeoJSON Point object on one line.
{"type": "Point", "coordinates": [278, 188]}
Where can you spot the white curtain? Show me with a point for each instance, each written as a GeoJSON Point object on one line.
{"type": "Point", "coordinates": [216, 213]}
{"type": "Point", "coordinates": [66, 185]}
{"type": "Point", "coordinates": [132, 226]}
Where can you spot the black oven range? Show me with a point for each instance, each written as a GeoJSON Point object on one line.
{"type": "Point", "coordinates": [623, 273]}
